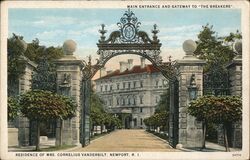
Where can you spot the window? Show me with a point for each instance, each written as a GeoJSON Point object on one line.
{"type": "Point", "coordinates": [141, 121]}
{"type": "Point", "coordinates": [134, 84]}
{"type": "Point", "coordinates": [141, 101]}
{"type": "Point", "coordinates": [101, 88]}
{"type": "Point", "coordinates": [156, 99]}
{"type": "Point", "coordinates": [156, 83]}
{"type": "Point", "coordinates": [128, 85]}
{"type": "Point", "coordinates": [129, 101]}
{"type": "Point", "coordinates": [106, 87]}
{"type": "Point", "coordinates": [134, 101]}
{"type": "Point", "coordinates": [117, 101]}
{"type": "Point", "coordinates": [111, 87]}
{"type": "Point", "coordinates": [124, 84]}
{"type": "Point", "coordinates": [118, 86]}
{"type": "Point", "coordinates": [123, 101]}
{"type": "Point", "coordinates": [110, 102]}
{"type": "Point", "coordinates": [141, 83]}
{"type": "Point", "coordinates": [141, 109]}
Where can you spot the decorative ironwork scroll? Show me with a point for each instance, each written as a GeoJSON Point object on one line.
{"type": "Point", "coordinates": [130, 40]}
{"type": "Point", "coordinates": [216, 84]}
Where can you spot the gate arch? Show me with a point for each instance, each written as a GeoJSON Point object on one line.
{"type": "Point", "coordinates": [128, 39]}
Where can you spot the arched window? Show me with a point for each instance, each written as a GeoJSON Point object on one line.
{"type": "Point", "coordinates": [134, 100]}
{"type": "Point", "coordinates": [156, 99]}
{"type": "Point", "coordinates": [117, 101]}
{"type": "Point", "coordinates": [123, 101]}
{"type": "Point", "coordinates": [134, 84]}
{"type": "Point", "coordinates": [141, 99]}
{"type": "Point", "coordinates": [129, 101]}
{"type": "Point", "coordinates": [141, 84]}
{"type": "Point", "coordinates": [156, 83]}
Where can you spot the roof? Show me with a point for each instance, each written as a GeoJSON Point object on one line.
{"type": "Point", "coordinates": [136, 69]}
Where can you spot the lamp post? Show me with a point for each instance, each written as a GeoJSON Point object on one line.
{"type": "Point", "coordinates": [192, 89]}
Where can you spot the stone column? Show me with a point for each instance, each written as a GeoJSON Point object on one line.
{"type": "Point", "coordinates": [24, 130]}
{"type": "Point", "coordinates": [235, 77]}
{"type": "Point", "coordinates": [190, 70]}
{"type": "Point", "coordinates": [69, 83]}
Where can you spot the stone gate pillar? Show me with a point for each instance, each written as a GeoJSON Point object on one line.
{"type": "Point", "coordinates": [24, 133]}
{"type": "Point", "coordinates": [190, 71]}
{"type": "Point", "coordinates": [68, 70]}
{"type": "Point", "coordinates": [235, 77]}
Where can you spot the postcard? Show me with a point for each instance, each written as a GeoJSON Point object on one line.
{"type": "Point", "coordinates": [124, 80]}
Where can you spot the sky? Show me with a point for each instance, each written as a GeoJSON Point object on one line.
{"type": "Point", "coordinates": [52, 26]}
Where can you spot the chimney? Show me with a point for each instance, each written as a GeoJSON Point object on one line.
{"type": "Point", "coordinates": [123, 66]}
{"type": "Point", "coordinates": [130, 64]}
{"type": "Point", "coordinates": [103, 72]}
{"type": "Point", "coordinates": [142, 62]}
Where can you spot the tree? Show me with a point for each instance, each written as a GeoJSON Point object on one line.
{"type": "Point", "coordinates": [13, 108]}
{"type": "Point", "coordinates": [39, 105]}
{"type": "Point", "coordinates": [157, 120]}
{"type": "Point", "coordinates": [210, 47]}
{"type": "Point", "coordinates": [220, 110]}
{"type": "Point", "coordinates": [218, 52]}
{"type": "Point", "coordinates": [35, 52]}
{"type": "Point", "coordinates": [19, 53]}
{"type": "Point", "coordinates": [160, 117]}
{"type": "Point", "coordinates": [99, 116]}
{"type": "Point", "coordinates": [97, 109]}
{"type": "Point", "coordinates": [16, 64]}
{"type": "Point", "coordinates": [45, 76]}
{"type": "Point", "coordinates": [164, 103]}
{"type": "Point", "coordinates": [200, 109]}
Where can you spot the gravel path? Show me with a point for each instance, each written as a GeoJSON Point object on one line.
{"type": "Point", "coordinates": [128, 141]}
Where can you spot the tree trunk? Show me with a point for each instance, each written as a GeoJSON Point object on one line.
{"type": "Point", "coordinates": [38, 136]}
{"type": "Point", "coordinates": [204, 129]}
{"type": "Point", "coordinates": [61, 132]}
{"type": "Point", "coordinates": [225, 138]}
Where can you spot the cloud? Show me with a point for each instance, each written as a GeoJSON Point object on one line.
{"type": "Point", "coordinates": [173, 37]}
{"type": "Point", "coordinates": [49, 35]}
{"type": "Point", "coordinates": [52, 21]}
{"type": "Point", "coordinates": [181, 29]}
{"type": "Point", "coordinates": [227, 30]}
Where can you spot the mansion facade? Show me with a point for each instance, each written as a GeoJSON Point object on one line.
{"type": "Point", "coordinates": [131, 92]}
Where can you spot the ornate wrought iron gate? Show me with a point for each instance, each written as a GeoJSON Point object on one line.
{"type": "Point", "coordinates": [174, 113]}
{"type": "Point", "coordinates": [127, 40]}
{"type": "Point", "coordinates": [85, 119]}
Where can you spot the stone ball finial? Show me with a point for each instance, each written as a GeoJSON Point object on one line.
{"type": "Point", "coordinates": [19, 39]}
{"type": "Point", "coordinates": [189, 46]}
{"type": "Point", "coordinates": [238, 47]}
{"type": "Point", "coordinates": [69, 47]}
{"type": "Point", "coordinates": [24, 45]}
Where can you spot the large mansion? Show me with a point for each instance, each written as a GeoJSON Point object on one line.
{"type": "Point", "coordinates": [131, 92]}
